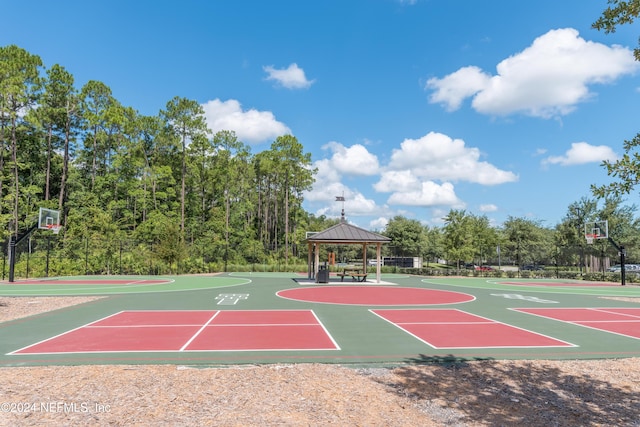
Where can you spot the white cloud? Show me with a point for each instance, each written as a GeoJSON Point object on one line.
{"type": "Point", "coordinates": [356, 203]}
{"type": "Point", "coordinates": [396, 180]}
{"type": "Point", "coordinates": [251, 126]}
{"type": "Point", "coordinates": [488, 208]}
{"type": "Point", "coordinates": [354, 160]}
{"type": "Point", "coordinates": [429, 194]}
{"type": "Point", "coordinates": [378, 223]}
{"type": "Point", "coordinates": [292, 77]}
{"type": "Point", "coordinates": [547, 79]}
{"type": "Point", "coordinates": [581, 153]}
{"type": "Point", "coordinates": [436, 156]}
{"type": "Point", "coordinates": [451, 90]}
{"type": "Point", "coordinates": [420, 173]}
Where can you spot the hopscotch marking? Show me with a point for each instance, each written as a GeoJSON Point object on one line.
{"type": "Point", "coordinates": [525, 298]}
{"type": "Point", "coordinates": [230, 299]}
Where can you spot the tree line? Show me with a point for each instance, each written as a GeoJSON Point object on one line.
{"type": "Point", "coordinates": [469, 238]}
{"type": "Point", "coordinates": [176, 192]}
{"type": "Point", "coordinates": [115, 173]}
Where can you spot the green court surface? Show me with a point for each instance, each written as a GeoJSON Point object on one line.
{"type": "Point", "coordinates": [286, 318]}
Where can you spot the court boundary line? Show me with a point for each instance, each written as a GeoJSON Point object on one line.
{"type": "Point", "coordinates": [202, 328]}
{"type": "Point", "coordinates": [596, 291]}
{"type": "Point", "coordinates": [489, 321]}
{"type": "Point", "coordinates": [359, 284]}
{"type": "Point", "coordinates": [183, 349]}
{"type": "Point", "coordinates": [13, 353]}
{"type": "Point", "coordinates": [575, 323]}
{"type": "Point", "coordinates": [113, 290]}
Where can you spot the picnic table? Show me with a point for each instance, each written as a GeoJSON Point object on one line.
{"type": "Point", "coordinates": [357, 274]}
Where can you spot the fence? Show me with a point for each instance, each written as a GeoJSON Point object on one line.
{"type": "Point", "coordinates": [45, 254]}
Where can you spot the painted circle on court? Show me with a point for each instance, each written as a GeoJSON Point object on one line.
{"type": "Point", "coordinates": [374, 295]}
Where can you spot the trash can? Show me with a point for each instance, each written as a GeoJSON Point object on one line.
{"type": "Point", "coordinates": [323, 275]}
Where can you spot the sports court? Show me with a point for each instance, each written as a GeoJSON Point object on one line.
{"type": "Point", "coordinates": [260, 317]}
{"type": "Point", "coordinates": [193, 330]}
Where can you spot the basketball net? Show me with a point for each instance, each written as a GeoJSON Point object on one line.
{"type": "Point", "coordinates": [590, 238]}
{"type": "Point", "coordinates": [55, 228]}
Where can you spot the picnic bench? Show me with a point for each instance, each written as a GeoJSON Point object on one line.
{"type": "Point", "coordinates": [355, 273]}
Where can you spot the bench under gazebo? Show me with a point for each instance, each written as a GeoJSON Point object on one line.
{"type": "Point", "coordinates": [345, 234]}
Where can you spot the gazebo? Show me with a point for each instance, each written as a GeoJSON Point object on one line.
{"type": "Point", "coordinates": [344, 234]}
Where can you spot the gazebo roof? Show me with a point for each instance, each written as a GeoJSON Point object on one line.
{"type": "Point", "coordinates": [347, 233]}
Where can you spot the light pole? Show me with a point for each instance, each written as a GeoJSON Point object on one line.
{"type": "Point", "coordinates": [579, 226]}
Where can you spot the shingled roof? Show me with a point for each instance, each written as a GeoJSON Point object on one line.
{"type": "Point", "coordinates": [347, 233]}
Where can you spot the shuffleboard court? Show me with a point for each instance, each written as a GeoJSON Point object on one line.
{"type": "Point", "coordinates": [455, 329]}
{"type": "Point", "coordinates": [198, 330]}
{"type": "Point", "coordinates": [375, 295]}
{"type": "Point", "coordinates": [617, 320]}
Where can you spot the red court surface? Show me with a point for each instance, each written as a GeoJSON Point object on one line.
{"type": "Point", "coordinates": [617, 320]}
{"type": "Point", "coordinates": [450, 328]}
{"type": "Point", "coordinates": [171, 331]}
{"type": "Point", "coordinates": [374, 295]}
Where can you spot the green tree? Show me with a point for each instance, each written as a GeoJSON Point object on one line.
{"type": "Point", "coordinates": [296, 176]}
{"type": "Point", "coordinates": [95, 100]}
{"type": "Point", "coordinates": [434, 249]}
{"type": "Point", "coordinates": [569, 238]}
{"type": "Point", "coordinates": [619, 12]}
{"type": "Point", "coordinates": [231, 169]}
{"type": "Point", "coordinates": [186, 122]}
{"type": "Point", "coordinates": [458, 236]}
{"type": "Point", "coordinates": [623, 228]}
{"type": "Point", "coordinates": [526, 240]}
{"type": "Point", "coordinates": [58, 114]}
{"type": "Point", "coordinates": [484, 238]}
{"type": "Point", "coordinates": [626, 169]}
{"type": "Point", "coordinates": [20, 85]}
{"type": "Point", "coordinates": [407, 236]}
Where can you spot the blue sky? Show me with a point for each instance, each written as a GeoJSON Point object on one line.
{"type": "Point", "coordinates": [498, 107]}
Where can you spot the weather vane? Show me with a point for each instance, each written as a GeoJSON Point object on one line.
{"type": "Point", "coordinates": [341, 199]}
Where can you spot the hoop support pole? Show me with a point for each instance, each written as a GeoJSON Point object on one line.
{"type": "Point", "coordinates": [623, 254]}
{"type": "Point", "coordinates": [13, 242]}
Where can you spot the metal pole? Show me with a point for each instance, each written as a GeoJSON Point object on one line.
{"type": "Point", "coordinates": [623, 269]}
{"type": "Point", "coordinates": [4, 263]}
{"type": "Point", "coordinates": [28, 256]}
{"type": "Point", "coordinates": [86, 256]}
{"type": "Point", "coordinates": [12, 257]}
{"type": "Point", "coordinates": [46, 266]}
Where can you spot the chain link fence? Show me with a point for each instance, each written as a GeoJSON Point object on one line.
{"type": "Point", "coordinates": [44, 254]}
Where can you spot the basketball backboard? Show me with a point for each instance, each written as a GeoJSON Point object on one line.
{"type": "Point", "coordinates": [49, 219]}
{"type": "Point", "coordinates": [595, 230]}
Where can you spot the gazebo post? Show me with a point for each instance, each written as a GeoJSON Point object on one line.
{"type": "Point", "coordinates": [309, 260]}
{"type": "Point", "coordinates": [317, 259]}
{"type": "Point", "coordinates": [378, 262]}
{"type": "Point", "coordinates": [364, 257]}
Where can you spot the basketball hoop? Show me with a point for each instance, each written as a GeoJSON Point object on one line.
{"type": "Point", "coordinates": [590, 238]}
{"type": "Point", "coordinates": [54, 227]}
